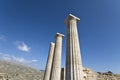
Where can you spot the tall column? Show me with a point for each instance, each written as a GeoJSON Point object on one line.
{"type": "Point", "coordinates": [49, 62]}
{"type": "Point", "coordinates": [73, 55]}
{"type": "Point", "coordinates": [56, 65]}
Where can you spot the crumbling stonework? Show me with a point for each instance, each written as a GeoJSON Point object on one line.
{"type": "Point", "coordinates": [89, 74]}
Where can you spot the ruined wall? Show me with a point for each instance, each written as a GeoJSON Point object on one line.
{"type": "Point", "coordinates": [89, 74]}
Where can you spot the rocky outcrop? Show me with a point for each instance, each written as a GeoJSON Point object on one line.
{"type": "Point", "coordinates": [107, 76]}
{"type": "Point", "coordinates": [91, 75]}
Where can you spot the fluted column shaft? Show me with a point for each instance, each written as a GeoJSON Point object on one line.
{"type": "Point", "coordinates": [56, 65]}
{"type": "Point", "coordinates": [49, 62]}
{"type": "Point", "coordinates": [73, 56]}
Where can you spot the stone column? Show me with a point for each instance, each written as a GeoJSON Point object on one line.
{"type": "Point", "coordinates": [49, 62]}
{"type": "Point", "coordinates": [73, 56]}
{"type": "Point", "coordinates": [56, 65]}
{"type": "Point", "coordinates": [63, 74]}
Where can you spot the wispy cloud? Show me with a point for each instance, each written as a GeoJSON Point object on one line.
{"type": "Point", "coordinates": [16, 59]}
{"type": "Point", "coordinates": [22, 60]}
{"type": "Point", "coordinates": [2, 38]}
{"type": "Point", "coordinates": [22, 46]}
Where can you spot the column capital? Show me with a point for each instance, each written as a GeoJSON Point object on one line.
{"type": "Point", "coordinates": [70, 17]}
{"type": "Point", "coordinates": [58, 34]}
{"type": "Point", "coordinates": [52, 43]}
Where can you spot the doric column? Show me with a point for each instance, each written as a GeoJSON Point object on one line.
{"type": "Point", "coordinates": [56, 65]}
{"type": "Point", "coordinates": [49, 62]}
{"type": "Point", "coordinates": [73, 56]}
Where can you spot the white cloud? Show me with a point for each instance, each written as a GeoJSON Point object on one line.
{"type": "Point", "coordinates": [22, 46]}
{"type": "Point", "coordinates": [13, 58]}
{"type": "Point", "coordinates": [34, 60]}
{"type": "Point", "coordinates": [22, 60]}
{"type": "Point", "coordinates": [2, 38]}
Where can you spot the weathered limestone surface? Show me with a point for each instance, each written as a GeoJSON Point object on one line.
{"type": "Point", "coordinates": [74, 70]}
{"type": "Point", "coordinates": [56, 65]}
{"type": "Point", "coordinates": [49, 62]}
{"type": "Point", "coordinates": [89, 74]}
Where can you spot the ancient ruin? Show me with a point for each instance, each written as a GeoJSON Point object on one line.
{"type": "Point", "coordinates": [74, 69]}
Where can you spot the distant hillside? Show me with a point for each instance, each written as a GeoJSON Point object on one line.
{"type": "Point", "coordinates": [14, 71]}
{"type": "Point", "coordinates": [10, 67]}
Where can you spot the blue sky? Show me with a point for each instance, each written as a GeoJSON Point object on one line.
{"type": "Point", "coordinates": [28, 26]}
